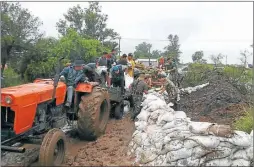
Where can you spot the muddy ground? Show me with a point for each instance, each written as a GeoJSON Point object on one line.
{"type": "Point", "coordinates": [109, 150]}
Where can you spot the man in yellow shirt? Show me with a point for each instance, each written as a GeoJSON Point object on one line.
{"type": "Point", "coordinates": [131, 68]}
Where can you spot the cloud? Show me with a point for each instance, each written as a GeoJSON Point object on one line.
{"type": "Point", "coordinates": [214, 27]}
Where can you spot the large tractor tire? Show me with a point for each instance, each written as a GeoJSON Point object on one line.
{"type": "Point", "coordinates": [93, 114]}
{"type": "Point", "coordinates": [52, 151]}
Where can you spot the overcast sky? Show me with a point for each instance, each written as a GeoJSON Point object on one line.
{"type": "Point", "coordinates": [214, 27]}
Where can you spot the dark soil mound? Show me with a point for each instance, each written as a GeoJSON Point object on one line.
{"type": "Point", "coordinates": [212, 103]}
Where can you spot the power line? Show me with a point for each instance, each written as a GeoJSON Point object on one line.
{"type": "Point", "coordinates": [202, 40]}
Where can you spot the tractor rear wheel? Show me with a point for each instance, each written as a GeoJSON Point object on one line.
{"type": "Point", "coordinates": [52, 151]}
{"type": "Point", "coordinates": [93, 114]}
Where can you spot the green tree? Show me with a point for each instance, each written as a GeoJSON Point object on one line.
{"type": "Point", "coordinates": [197, 57]}
{"type": "Point", "coordinates": [173, 49]}
{"type": "Point", "coordinates": [71, 46]}
{"type": "Point", "coordinates": [39, 53]}
{"type": "Point", "coordinates": [142, 50]}
{"type": "Point", "coordinates": [19, 30]}
{"type": "Point", "coordinates": [90, 23]}
{"type": "Point", "coordinates": [156, 53]}
{"type": "Point", "coordinates": [217, 59]}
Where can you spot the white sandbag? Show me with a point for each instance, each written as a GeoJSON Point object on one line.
{"type": "Point", "coordinates": [199, 151]}
{"type": "Point", "coordinates": [175, 123]}
{"type": "Point", "coordinates": [179, 115]}
{"type": "Point", "coordinates": [128, 81]}
{"type": "Point", "coordinates": [170, 104]}
{"type": "Point", "coordinates": [206, 141]}
{"type": "Point", "coordinates": [155, 133]}
{"type": "Point", "coordinates": [219, 152]}
{"type": "Point", "coordinates": [173, 145]}
{"type": "Point", "coordinates": [147, 156]}
{"type": "Point", "coordinates": [126, 109]}
{"type": "Point", "coordinates": [178, 154]}
{"type": "Point", "coordinates": [181, 134]}
{"type": "Point", "coordinates": [137, 139]}
{"type": "Point", "coordinates": [188, 162]}
{"type": "Point", "coordinates": [166, 139]}
{"type": "Point", "coordinates": [240, 138]}
{"type": "Point", "coordinates": [226, 144]}
{"type": "Point", "coordinates": [154, 116]}
{"type": "Point", "coordinates": [169, 125]}
{"type": "Point", "coordinates": [199, 127]}
{"type": "Point", "coordinates": [155, 105]}
{"type": "Point", "coordinates": [143, 115]}
{"type": "Point", "coordinates": [240, 154]}
{"type": "Point", "coordinates": [219, 162]}
{"type": "Point", "coordinates": [161, 160]}
{"type": "Point", "coordinates": [249, 153]}
{"type": "Point", "coordinates": [177, 128]}
{"type": "Point", "coordinates": [189, 143]}
{"type": "Point", "coordinates": [164, 118]}
{"type": "Point", "coordinates": [240, 162]}
{"type": "Point", "coordinates": [141, 125]}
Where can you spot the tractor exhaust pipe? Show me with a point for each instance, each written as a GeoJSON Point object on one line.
{"type": "Point", "coordinates": [13, 149]}
{"type": "Point", "coordinates": [56, 78]}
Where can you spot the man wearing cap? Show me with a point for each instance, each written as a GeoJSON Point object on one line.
{"type": "Point", "coordinates": [138, 87]}
{"type": "Point", "coordinates": [132, 65]}
{"type": "Point", "coordinates": [113, 56]}
{"type": "Point", "coordinates": [72, 75]}
{"type": "Point", "coordinates": [103, 60]}
{"type": "Point", "coordinates": [117, 77]}
{"type": "Point", "coordinates": [171, 68]}
{"type": "Point", "coordinates": [170, 88]}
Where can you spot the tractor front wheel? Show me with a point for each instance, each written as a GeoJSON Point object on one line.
{"type": "Point", "coordinates": [93, 114]}
{"type": "Point", "coordinates": [52, 151]}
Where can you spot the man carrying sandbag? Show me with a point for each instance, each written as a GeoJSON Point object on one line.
{"type": "Point", "coordinates": [171, 89]}
{"type": "Point", "coordinates": [138, 87]}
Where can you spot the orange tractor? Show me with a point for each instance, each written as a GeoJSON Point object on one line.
{"type": "Point", "coordinates": [37, 109]}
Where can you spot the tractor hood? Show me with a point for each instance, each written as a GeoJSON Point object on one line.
{"type": "Point", "coordinates": [37, 92]}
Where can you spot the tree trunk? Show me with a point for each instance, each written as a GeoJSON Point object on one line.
{"type": "Point", "coordinates": [6, 54]}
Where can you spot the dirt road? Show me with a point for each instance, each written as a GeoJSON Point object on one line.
{"type": "Point", "coordinates": [110, 149]}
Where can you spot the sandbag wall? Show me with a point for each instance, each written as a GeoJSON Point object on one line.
{"type": "Point", "coordinates": [165, 137]}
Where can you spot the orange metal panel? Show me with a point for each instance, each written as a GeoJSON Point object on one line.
{"type": "Point", "coordinates": [25, 99]}
{"type": "Point", "coordinates": [84, 87]}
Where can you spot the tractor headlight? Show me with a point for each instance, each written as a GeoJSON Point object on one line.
{"type": "Point", "coordinates": [8, 99]}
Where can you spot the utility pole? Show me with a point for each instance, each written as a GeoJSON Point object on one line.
{"type": "Point", "coordinates": [119, 42]}
{"type": "Point", "coordinates": [226, 59]}
{"type": "Point", "coordinates": [149, 55]}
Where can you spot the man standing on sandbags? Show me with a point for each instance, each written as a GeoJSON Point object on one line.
{"type": "Point", "coordinates": [138, 87]}
{"type": "Point", "coordinates": [171, 89]}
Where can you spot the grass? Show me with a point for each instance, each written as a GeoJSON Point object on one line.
{"type": "Point", "coordinates": [245, 123]}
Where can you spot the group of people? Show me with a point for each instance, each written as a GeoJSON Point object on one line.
{"type": "Point", "coordinates": [116, 71]}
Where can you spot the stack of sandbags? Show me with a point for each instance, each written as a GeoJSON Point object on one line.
{"type": "Point", "coordinates": [193, 89]}
{"type": "Point", "coordinates": [167, 137]}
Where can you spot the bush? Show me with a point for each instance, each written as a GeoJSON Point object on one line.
{"type": "Point", "coordinates": [11, 78]}
{"type": "Point", "coordinates": [196, 74]}
{"type": "Point", "coordinates": [245, 123]}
